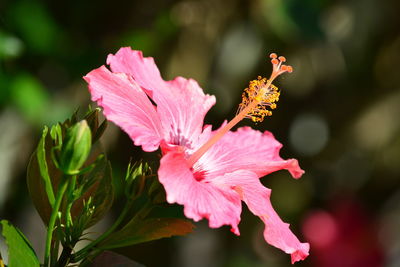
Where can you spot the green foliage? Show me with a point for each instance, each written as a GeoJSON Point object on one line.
{"type": "Point", "coordinates": [148, 41]}
{"type": "Point", "coordinates": [71, 186]}
{"type": "Point", "coordinates": [140, 181]}
{"type": "Point", "coordinates": [97, 130]}
{"type": "Point", "coordinates": [35, 25]}
{"type": "Point", "coordinates": [63, 151]}
{"type": "Point", "coordinates": [10, 46]}
{"type": "Point", "coordinates": [143, 192]}
{"type": "Point", "coordinates": [135, 179]}
{"type": "Point", "coordinates": [41, 167]}
{"type": "Point", "coordinates": [20, 251]}
{"type": "Point", "coordinates": [144, 230]}
{"type": "Point", "coordinates": [29, 96]}
{"type": "Point", "coordinates": [139, 221]}
{"type": "Point", "coordinates": [94, 194]}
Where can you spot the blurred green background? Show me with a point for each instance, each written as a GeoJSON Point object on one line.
{"type": "Point", "coordinates": [338, 113]}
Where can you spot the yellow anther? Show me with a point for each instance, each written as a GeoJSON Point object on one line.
{"type": "Point", "coordinates": [261, 96]}
{"type": "Point", "coordinates": [264, 94]}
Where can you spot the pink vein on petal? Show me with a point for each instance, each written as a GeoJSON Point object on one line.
{"type": "Point", "coordinates": [248, 149]}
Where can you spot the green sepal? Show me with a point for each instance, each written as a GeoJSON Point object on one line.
{"type": "Point", "coordinates": [56, 134]}
{"type": "Point", "coordinates": [20, 251]}
{"type": "Point", "coordinates": [99, 131]}
{"type": "Point", "coordinates": [92, 119]}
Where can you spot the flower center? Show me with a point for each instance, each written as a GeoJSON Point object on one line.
{"type": "Point", "coordinates": [199, 175]}
{"type": "Point", "coordinates": [259, 96]}
{"type": "Point", "coordinates": [178, 138]}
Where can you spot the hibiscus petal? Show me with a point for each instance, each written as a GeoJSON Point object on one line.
{"type": "Point", "coordinates": [143, 69]}
{"type": "Point", "coordinates": [126, 105]}
{"type": "Point", "coordinates": [248, 149]}
{"type": "Point", "coordinates": [182, 104]}
{"type": "Point", "coordinates": [219, 204]}
{"type": "Point", "coordinates": [257, 198]}
{"type": "Point", "coordinates": [188, 107]}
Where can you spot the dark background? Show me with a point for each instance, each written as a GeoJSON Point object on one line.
{"type": "Point", "coordinates": [338, 113]}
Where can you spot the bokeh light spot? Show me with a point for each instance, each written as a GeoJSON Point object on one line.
{"type": "Point", "coordinates": [309, 134]}
{"type": "Point", "coordinates": [320, 229]}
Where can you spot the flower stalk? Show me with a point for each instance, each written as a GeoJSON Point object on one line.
{"type": "Point", "coordinates": [54, 214]}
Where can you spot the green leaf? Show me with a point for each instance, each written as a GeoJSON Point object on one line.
{"type": "Point", "coordinates": [42, 177]}
{"type": "Point", "coordinates": [99, 131]}
{"type": "Point", "coordinates": [92, 118]}
{"type": "Point", "coordinates": [20, 251]}
{"type": "Point", "coordinates": [44, 172]}
{"type": "Point", "coordinates": [140, 231]}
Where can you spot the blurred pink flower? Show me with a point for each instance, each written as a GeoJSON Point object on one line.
{"type": "Point", "coordinates": [345, 236]}
{"type": "Point", "coordinates": [213, 183]}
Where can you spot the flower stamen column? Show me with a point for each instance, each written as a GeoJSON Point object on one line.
{"type": "Point", "coordinates": [259, 96]}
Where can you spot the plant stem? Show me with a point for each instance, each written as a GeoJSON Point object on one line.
{"type": "Point", "coordinates": [55, 245]}
{"type": "Point", "coordinates": [67, 220]}
{"type": "Point", "coordinates": [70, 197]}
{"type": "Point", "coordinates": [65, 257]}
{"type": "Point", "coordinates": [50, 228]}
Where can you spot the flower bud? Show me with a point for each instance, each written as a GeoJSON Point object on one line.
{"type": "Point", "coordinates": [76, 148]}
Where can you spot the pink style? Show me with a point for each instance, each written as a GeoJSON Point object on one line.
{"type": "Point", "coordinates": [209, 172]}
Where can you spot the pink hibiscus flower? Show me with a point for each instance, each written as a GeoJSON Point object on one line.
{"type": "Point", "coordinates": [208, 172]}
